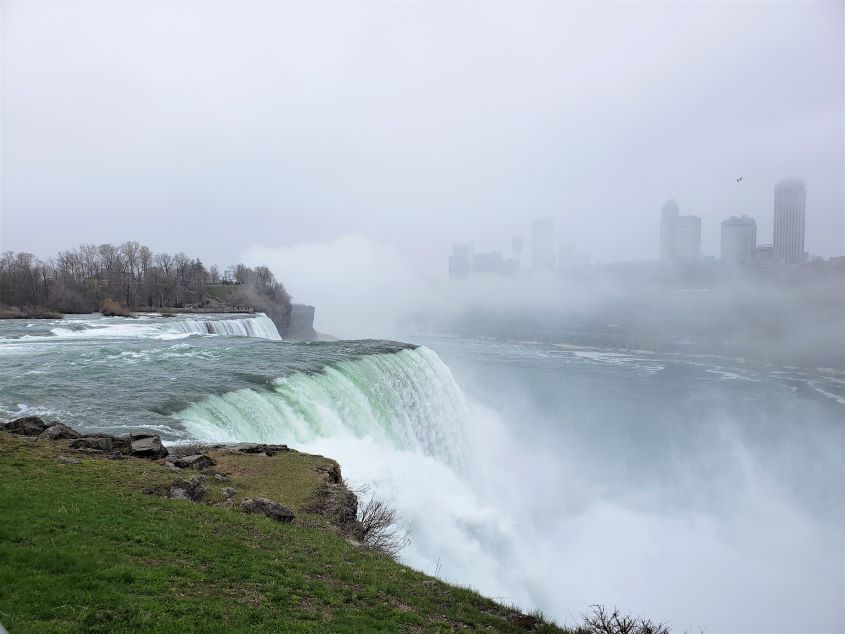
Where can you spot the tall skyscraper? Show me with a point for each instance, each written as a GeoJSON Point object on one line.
{"type": "Point", "coordinates": [788, 243]}
{"type": "Point", "coordinates": [461, 260]}
{"type": "Point", "coordinates": [668, 219]}
{"type": "Point", "coordinates": [680, 236]}
{"type": "Point", "coordinates": [688, 238]}
{"type": "Point", "coordinates": [739, 239]}
{"type": "Point", "coordinates": [543, 243]}
{"type": "Point", "coordinates": [517, 245]}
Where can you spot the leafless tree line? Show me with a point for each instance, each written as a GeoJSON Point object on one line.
{"type": "Point", "coordinates": [80, 280]}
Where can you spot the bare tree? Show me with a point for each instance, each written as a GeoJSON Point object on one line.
{"type": "Point", "coordinates": [603, 621]}
{"type": "Point", "coordinates": [380, 525]}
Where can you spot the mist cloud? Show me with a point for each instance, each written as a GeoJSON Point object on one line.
{"type": "Point", "coordinates": [207, 127]}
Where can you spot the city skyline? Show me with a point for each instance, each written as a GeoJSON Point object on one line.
{"type": "Point", "coordinates": [680, 235]}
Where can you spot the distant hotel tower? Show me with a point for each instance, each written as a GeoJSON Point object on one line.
{"type": "Point", "coordinates": [680, 236]}
{"type": "Point", "coordinates": [543, 243]}
{"type": "Point", "coordinates": [788, 244]}
{"type": "Point", "coordinates": [461, 260]}
{"type": "Point", "coordinates": [739, 239]}
{"type": "Point", "coordinates": [668, 219]}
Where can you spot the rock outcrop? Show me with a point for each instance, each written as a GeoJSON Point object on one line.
{"type": "Point", "coordinates": [246, 447]}
{"type": "Point", "coordinates": [117, 447]}
{"type": "Point", "coordinates": [193, 489]}
{"type": "Point", "coordinates": [146, 446]}
{"type": "Point", "coordinates": [58, 431]}
{"type": "Point", "coordinates": [92, 443]}
{"type": "Point", "coordinates": [26, 426]}
{"type": "Point", "coordinates": [271, 509]}
{"type": "Point", "coordinates": [197, 461]}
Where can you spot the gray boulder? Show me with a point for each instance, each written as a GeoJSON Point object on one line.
{"type": "Point", "coordinates": [229, 492]}
{"type": "Point", "coordinates": [147, 446]}
{"type": "Point", "coordinates": [197, 461]}
{"type": "Point", "coordinates": [26, 426]}
{"type": "Point", "coordinates": [271, 509]}
{"type": "Point", "coordinates": [92, 443]}
{"type": "Point", "coordinates": [66, 460]}
{"type": "Point", "coordinates": [58, 431]}
{"type": "Point", "coordinates": [193, 489]}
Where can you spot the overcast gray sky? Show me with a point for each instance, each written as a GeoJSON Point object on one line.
{"type": "Point", "coordinates": [216, 127]}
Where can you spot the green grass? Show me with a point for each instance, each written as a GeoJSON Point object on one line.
{"type": "Point", "coordinates": [83, 549]}
{"type": "Point", "coordinates": [222, 293]}
{"type": "Point", "coordinates": [291, 478]}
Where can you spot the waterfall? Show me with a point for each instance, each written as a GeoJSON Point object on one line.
{"type": "Point", "coordinates": [257, 325]}
{"type": "Point", "coordinates": [407, 400]}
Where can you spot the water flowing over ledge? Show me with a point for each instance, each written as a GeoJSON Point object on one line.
{"type": "Point", "coordinates": [406, 400]}
{"type": "Point", "coordinates": [151, 327]}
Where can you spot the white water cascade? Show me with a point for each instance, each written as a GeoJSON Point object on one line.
{"type": "Point", "coordinates": [258, 325]}
{"type": "Point", "coordinates": [407, 400]}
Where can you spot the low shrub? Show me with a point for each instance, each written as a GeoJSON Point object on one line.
{"type": "Point", "coordinates": [111, 308]}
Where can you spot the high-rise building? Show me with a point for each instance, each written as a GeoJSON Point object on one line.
{"type": "Point", "coordinates": [788, 243]}
{"type": "Point", "coordinates": [461, 260]}
{"type": "Point", "coordinates": [517, 245]}
{"type": "Point", "coordinates": [543, 243]}
{"type": "Point", "coordinates": [739, 239]}
{"type": "Point", "coordinates": [489, 262]}
{"type": "Point", "coordinates": [763, 253]}
{"type": "Point", "coordinates": [668, 220]}
{"type": "Point", "coordinates": [680, 236]}
{"type": "Point", "coordinates": [688, 238]}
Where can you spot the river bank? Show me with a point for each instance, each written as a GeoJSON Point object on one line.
{"type": "Point", "coordinates": [104, 541]}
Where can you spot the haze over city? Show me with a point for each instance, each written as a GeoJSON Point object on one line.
{"type": "Point", "coordinates": [306, 123]}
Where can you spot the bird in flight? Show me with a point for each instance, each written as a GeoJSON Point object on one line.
{"type": "Point", "coordinates": [739, 179]}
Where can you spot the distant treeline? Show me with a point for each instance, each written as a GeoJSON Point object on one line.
{"type": "Point", "coordinates": [82, 280]}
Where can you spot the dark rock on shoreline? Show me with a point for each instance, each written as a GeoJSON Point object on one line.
{"type": "Point", "coordinates": [271, 509]}
{"type": "Point", "coordinates": [93, 443]}
{"type": "Point", "coordinates": [147, 446]}
{"type": "Point", "coordinates": [58, 431]}
{"type": "Point", "coordinates": [245, 447]}
{"type": "Point", "coordinates": [26, 426]}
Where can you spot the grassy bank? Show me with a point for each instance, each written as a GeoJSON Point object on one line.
{"type": "Point", "coordinates": [83, 548]}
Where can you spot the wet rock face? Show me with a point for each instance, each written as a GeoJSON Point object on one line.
{"type": "Point", "coordinates": [26, 426]}
{"type": "Point", "coordinates": [146, 446]}
{"type": "Point", "coordinates": [271, 509]}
